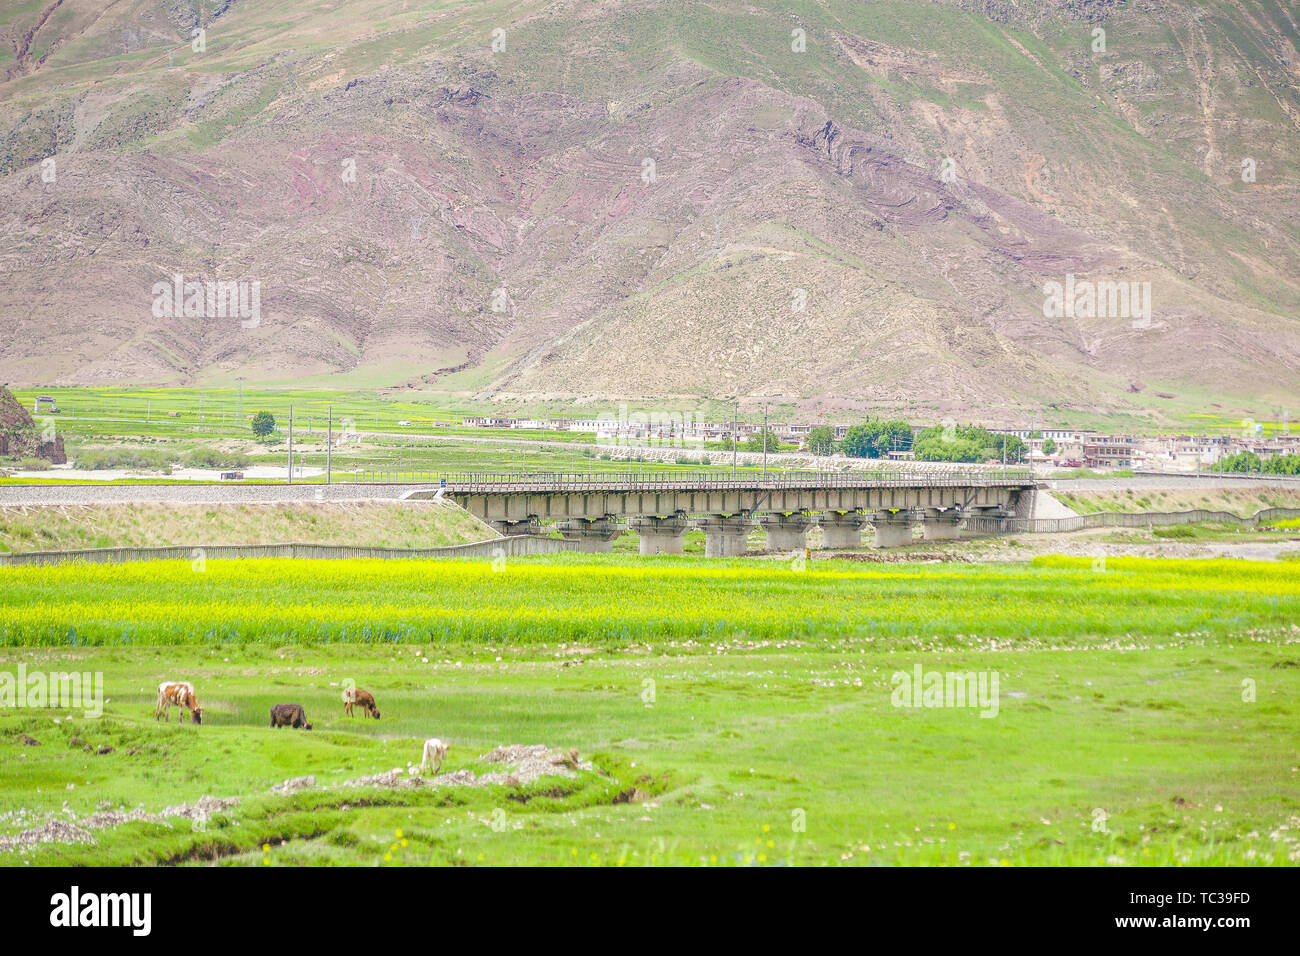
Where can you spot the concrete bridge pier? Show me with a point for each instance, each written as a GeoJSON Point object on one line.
{"type": "Point", "coordinates": [726, 536]}
{"type": "Point", "coordinates": [661, 535]}
{"type": "Point", "coordinates": [594, 535]}
{"type": "Point", "coordinates": [893, 528]}
{"type": "Point", "coordinates": [786, 532]}
{"type": "Point", "coordinates": [996, 511]}
{"type": "Point", "coordinates": [529, 525]}
{"type": "Point", "coordinates": [842, 529]}
{"type": "Point", "coordinates": [940, 524]}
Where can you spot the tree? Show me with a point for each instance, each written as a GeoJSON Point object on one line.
{"type": "Point", "coordinates": [1281, 465]}
{"type": "Point", "coordinates": [263, 424]}
{"type": "Point", "coordinates": [967, 443]}
{"type": "Point", "coordinates": [1246, 461]}
{"type": "Point", "coordinates": [1049, 447]}
{"type": "Point", "coordinates": [876, 439]}
{"type": "Point", "coordinates": [821, 440]}
{"type": "Point", "coordinates": [763, 436]}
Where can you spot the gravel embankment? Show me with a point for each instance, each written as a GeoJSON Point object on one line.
{"type": "Point", "coordinates": [1165, 482]}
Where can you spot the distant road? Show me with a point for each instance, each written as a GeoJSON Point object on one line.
{"type": "Point", "coordinates": [198, 494]}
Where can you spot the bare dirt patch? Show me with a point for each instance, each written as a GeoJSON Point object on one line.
{"type": "Point", "coordinates": [81, 831]}
{"type": "Point", "coordinates": [523, 764]}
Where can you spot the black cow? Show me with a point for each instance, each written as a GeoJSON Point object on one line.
{"type": "Point", "coordinates": [289, 715]}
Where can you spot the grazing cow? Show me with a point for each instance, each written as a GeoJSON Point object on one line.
{"type": "Point", "coordinates": [289, 715]}
{"type": "Point", "coordinates": [434, 751]}
{"type": "Point", "coordinates": [356, 697]}
{"type": "Point", "coordinates": [181, 694]}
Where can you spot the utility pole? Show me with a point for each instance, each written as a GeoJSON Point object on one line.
{"type": "Point", "coordinates": [290, 444]}
{"type": "Point", "coordinates": [329, 444]}
{"type": "Point", "coordinates": [735, 413]}
{"type": "Point", "coordinates": [765, 441]}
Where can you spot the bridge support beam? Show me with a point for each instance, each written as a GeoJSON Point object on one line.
{"type": "Point", "coordinates": [997, 512]}
{"type": "Point", "coordinates": [842, 529]}
{"type": "Point", "coordinates": [725, 536]}
{"type": "Point", "coordinates": [893, 528]}
{"type": "Point", "coordinates": [594, 535]}
{"type": "Point", "coordinates": [940, 524]}
{"type": "Point", "coordinates": [529, 525]}
{"type": "Point", "coordinates": [661, 535]}
{"type": "Point", "coordinates": [786, 532]}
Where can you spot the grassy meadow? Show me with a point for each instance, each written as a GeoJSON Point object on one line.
{"type": "Point", "coordinates": [417, 434]}
{"type": "Point", "coordinates": [737, 711]}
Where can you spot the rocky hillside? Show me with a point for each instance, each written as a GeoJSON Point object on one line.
{"type": "Point", "coordinates": [842, 205]}
{"type": "Point", "coordinates": [21, 438]}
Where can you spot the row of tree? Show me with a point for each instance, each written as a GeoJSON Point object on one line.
{"type": "Point", "coordinates": [878, 437]}
{"type": "Point", "coordinates": [1247, 462]}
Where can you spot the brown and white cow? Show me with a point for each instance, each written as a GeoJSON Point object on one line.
{"type": "Point", "coordinates": [356, 697]}
{"type": "Point", "coordinates": [180, 694]}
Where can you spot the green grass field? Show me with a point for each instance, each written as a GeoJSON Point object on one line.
{"type": "Point", "coordinates": [165, 423]}
{"type": "Point", "coordinates": [737, 712]}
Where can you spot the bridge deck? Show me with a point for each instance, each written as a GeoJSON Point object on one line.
{"type": "Point", "coordinates": [579, 482]}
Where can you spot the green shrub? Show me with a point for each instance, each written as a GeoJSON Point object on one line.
{"type": "Point", "coordinates": [133, 458]}
{"type": "Point", "coordinates": [206, 457]}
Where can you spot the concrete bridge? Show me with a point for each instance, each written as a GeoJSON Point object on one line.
{"type": "Point", "coordinates": [594, 509]}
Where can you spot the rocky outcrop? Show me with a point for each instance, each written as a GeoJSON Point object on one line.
{"type": "Point", "coordinates": [21, 438]}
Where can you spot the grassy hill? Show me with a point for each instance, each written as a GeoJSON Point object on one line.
{"type": "Point", "coordinates": [362, 523]}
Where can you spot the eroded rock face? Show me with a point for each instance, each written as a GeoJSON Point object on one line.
{"type": "Point", "coordinates": [52, 451]}
{"type": "Point", "coordinates": [20, 437]}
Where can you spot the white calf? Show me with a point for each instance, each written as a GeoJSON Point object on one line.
{"type": "Point", "coordinates": [434, 751]}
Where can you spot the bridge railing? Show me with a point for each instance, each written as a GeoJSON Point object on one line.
{"type": "Point", "coordinates": [517, 482]}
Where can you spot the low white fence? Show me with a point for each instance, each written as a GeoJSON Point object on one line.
{"type": "Point", "coordinates": [511, 546]}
